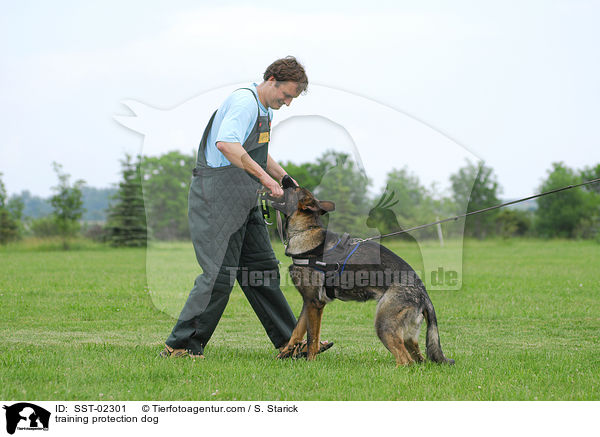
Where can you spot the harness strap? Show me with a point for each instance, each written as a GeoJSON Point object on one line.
{"type": "Point", "coordinates": [330, 292]}
{"type": "Point", "coordinates": [336, 266]}
{"type": "Point", "coordinates": [312, 262]}
{"type": "Point", "coordinates": [349, 255]}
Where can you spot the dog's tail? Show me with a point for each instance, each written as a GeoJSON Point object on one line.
{"type": "Point", "coordinates": [432, 339]}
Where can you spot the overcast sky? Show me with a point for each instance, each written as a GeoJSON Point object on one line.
{"type": "Point", "coordinates": [512, 83]}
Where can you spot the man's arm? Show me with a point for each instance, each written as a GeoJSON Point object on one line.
{"type": "Point", "coordinates": [238, 156]}
{"type": "Point", "coordinates": [275, 170]}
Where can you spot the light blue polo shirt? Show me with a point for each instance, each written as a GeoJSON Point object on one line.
{"type": "Point", "coordinates": [233, 123]}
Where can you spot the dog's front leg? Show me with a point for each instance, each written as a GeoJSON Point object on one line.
{"type": "Point", "coordinates": [314, 315]}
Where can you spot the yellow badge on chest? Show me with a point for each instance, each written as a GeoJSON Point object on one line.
{"type": "Point", "coordinates": [263, 137]}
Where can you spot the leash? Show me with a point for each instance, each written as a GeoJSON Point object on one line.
{"type": "Point", "coordinates": [280, 230]}
{"type": "Point", "coordinates": [568, 187]}
{"type": "Point", "coordinates": [263, 197]}
{"type": "Point", "coordinates": [360, 240]}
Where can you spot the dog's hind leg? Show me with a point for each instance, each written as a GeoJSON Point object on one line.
{"type": "Point", "coordinates": [389, 327]}
{"type": "Point", "coordinates": [412, 346]}
{"type": "Point", "coordinates": [412, 327]}
{"type": "Point", "coordinates": [396, 346]}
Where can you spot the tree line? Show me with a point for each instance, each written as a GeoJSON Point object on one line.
{"type": "Point", "coordinates": [150, 202]}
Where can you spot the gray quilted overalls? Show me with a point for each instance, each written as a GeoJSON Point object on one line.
{"type": "Point", "coordinates": [231, 242]}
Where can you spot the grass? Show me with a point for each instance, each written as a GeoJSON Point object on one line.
{"type": "Point", "coordinates": [47, 244]}
{"type": "Point", "coordinates": [82, 325]}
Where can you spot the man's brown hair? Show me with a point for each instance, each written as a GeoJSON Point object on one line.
{"type": "Point", "coordinates": [288, 69]}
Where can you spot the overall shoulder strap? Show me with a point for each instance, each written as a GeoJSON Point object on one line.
{"type": "Point", "coordinates": [201, 159]}
{"type": "Point", "coordinates": [256, 99]}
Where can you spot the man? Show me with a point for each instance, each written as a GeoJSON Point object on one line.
{"type": "Point", "coordinates": [227, 228]}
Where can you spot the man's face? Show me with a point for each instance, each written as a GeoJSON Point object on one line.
{"type": "Point", "coordinates": [281, 93]}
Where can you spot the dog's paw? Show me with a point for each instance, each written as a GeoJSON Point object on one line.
{"type": "Point", "coordinates": [290, 351]}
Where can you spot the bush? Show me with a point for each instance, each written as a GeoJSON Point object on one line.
{"type": "Point", "coordinates": [44, 227]}
{"type": "Point", "coordinates": [10, 217]}
{"type": "Point", "coordinates": [588, 228]}
{"type": "Point", "coordinates": [513, 222]}
{"type": "Point", "coordinates": [567, 214]}
{"type": "Point", "coordinates": [95, 232]}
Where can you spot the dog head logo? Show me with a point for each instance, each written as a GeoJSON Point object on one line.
{"type": "Point", "coordinates": [26, 416]}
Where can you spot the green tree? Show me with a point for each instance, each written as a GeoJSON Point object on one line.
{"type": "Point", "coordinates": [67, 205]}
{"type": "Point", "coordinates": [415, 204]}
{"type": "Point", "coordinates": [563, 214]}
{"type": "Point", "coordinates": [15, 207]}
{"type": "Point", "coordinates": [126, 225]}
{"type": "Point", "coordinates": [589, 226]}
{"type": "Point", "coordinates": [513, 222]}
{"type": "Point", "coordinates": [166, 181]}
{"type": "Point", "coordinates": [477, 187]}
{"type": "Point", "coordinates": [9, 217]}
{"type": "Point", "coordinates": [408, 190]}
{"type": "Point", "coordinates": [589, 173]}
{"type": "Point", "coordinates": [308, 174]}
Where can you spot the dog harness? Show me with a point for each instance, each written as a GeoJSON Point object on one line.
{"type": "Point", "coordinates": [332, 261]}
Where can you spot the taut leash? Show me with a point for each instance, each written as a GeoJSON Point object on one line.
{"type": "Point", "coordinates": [482, 210]}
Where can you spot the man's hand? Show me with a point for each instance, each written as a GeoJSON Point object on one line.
{"type": "Point", "coordinates": [271, 184]}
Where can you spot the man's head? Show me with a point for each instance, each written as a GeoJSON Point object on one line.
{"type": "Point", "coordinates": [285, 79]}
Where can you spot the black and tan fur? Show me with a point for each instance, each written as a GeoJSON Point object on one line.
{"type": "Point", "coordinates": [401, 308]}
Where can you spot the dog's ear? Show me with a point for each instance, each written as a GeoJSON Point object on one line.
{"type": "Point", "coordinates": [326, 206]}
{"type": "Point", "coordinates": [314, 205]}
{"type": "Point", "coordinates": [307, 201]}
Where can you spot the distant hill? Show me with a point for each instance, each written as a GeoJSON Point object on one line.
{"type": "Point", "coordinates": [95, 202]}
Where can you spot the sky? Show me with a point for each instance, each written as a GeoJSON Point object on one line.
{"type": "Point", "coordinates": [419, 84]}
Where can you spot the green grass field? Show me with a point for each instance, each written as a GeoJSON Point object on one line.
{"type": "Point", "coordinates": [82, 325]}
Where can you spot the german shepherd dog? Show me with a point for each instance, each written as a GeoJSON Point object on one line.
{"type": "Point", "coordinates": [401, 306]}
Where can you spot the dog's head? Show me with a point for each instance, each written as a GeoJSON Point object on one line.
{"type": "Point", "coordinates": [300, 200]}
